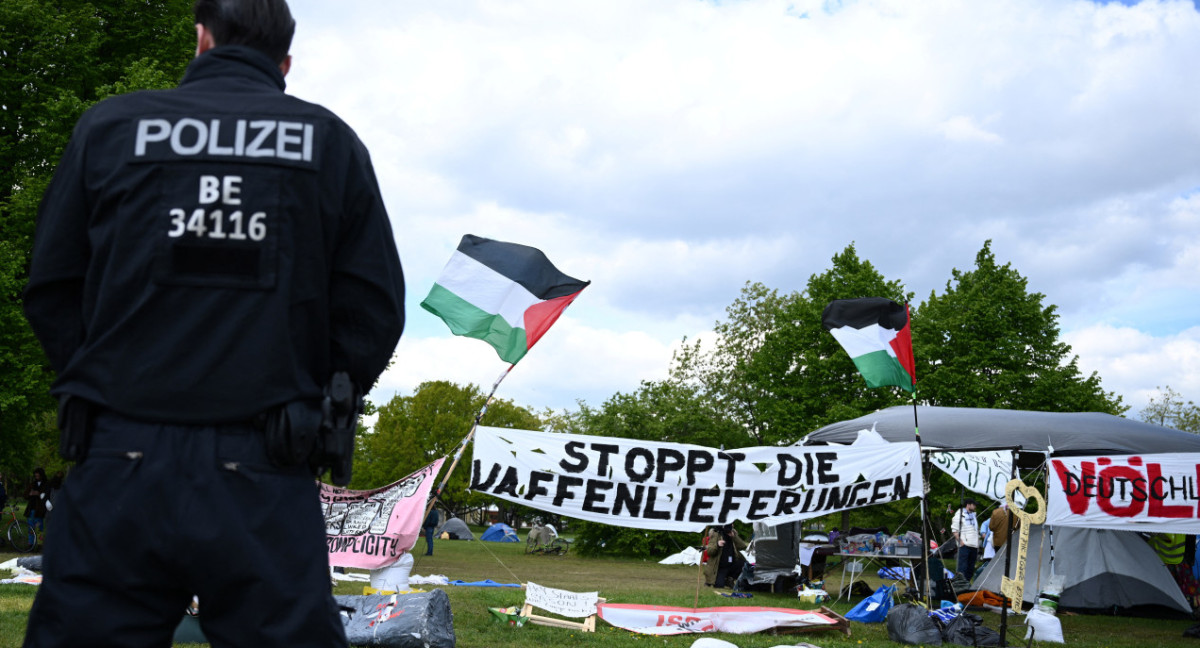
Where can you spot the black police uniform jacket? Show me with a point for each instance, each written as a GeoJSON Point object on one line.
{"type": "Point", "coordinates": [207, 252]}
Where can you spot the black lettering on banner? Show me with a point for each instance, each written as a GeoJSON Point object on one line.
{"type": "Point", "coordinates": [698, 461]}
{"type": "Point", "coordinates": [1157, 490]}
{"type": "Point", "coordinates": [787, 502]}
{"type": "Point", "coordinates": [485, 485]}
{"type": "Point", "coordinates": [594, 496]}
{"type": "Point", "coordinates": [839, 498]}
{"type": "Point", "coordinates": [645, 455]}
{"type": "Point", "coordinates": [581, 460]}
{"type": "Point", "coordinates": [728, 503]}
{"type": "Point", "coordinates": [536, 477]}
{"type": "Point", "coordinates": [855, 494]}
{"type": "Point", "coordinates": [630, 502]}
{"type": "Point", "coordinates": [605, 450]}
{"type": "Point", "coordinates": [759, 501]}
{"type": "Point", "coordinates": [1072, 484]}
{"type": "Point", "coordinates": [681, 507]}
{"type": "Point", "coordinates": [1089, 485]}
{"type": "Point", "coordinates": [786, 477]}
{"type": "Point", "coordinates": [509, 483]}
{"type": "Point", "coordinates": [565, 484]}
{"type": "Point", "coordinates": [701, 503]}
{"type": "Point", "coordinates": [1139, 490]}
{"type": "Point", "coordinates": [669, 460]}
{"type": "Point", "coordinates": [731, 461]}
{"type": "Point", "coordinates": [650, 513]}
{"type": "Point", "coordinates": [901, 484]}
{"type": "Point", "coordinates": [880, 492]}
{"type": "Point", "coordinates": [824, 464]}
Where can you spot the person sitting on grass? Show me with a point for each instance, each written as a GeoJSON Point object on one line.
{"type": "Point", "coordinates": [725, 560]}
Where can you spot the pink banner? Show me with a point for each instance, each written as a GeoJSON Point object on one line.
{"type": "Point", "coordinates": [660, 620]}
{"type": "Point", "coordinates": [371, 529]}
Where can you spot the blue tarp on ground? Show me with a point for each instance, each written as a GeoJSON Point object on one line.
{"type": "Point", "coordinates": [500, 532]}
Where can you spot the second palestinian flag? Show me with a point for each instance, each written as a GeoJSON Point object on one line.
{"type": "Point", "coordinates": [876, 333]}
{"type": "Point", "coordinates": [505, 294]}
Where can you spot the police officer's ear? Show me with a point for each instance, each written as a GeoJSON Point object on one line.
{"type": "Point", "coordinates": [204, 39]}
{"type": "Point", "coordinates": [286, 64]}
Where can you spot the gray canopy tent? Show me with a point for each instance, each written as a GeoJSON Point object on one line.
{"type": "Point", "coordinates": [965, 429]}
{"type": "Point", "coordinates": [969, 428]}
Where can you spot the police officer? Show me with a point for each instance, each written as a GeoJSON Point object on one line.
{"type": "Point", "coordinates": [204, 256]}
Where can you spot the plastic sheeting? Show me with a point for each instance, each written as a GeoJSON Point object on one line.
{"type": "Point", "coordinates": [419, 620]}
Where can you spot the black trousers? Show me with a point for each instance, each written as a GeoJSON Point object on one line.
{"type": "Point", "coordinates": [729, 569]}
{"type": "Point", "coordinates": [159, 513]}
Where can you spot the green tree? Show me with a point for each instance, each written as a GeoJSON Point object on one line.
{"type": "Point", "coordinates": [56, 59]}
{"type": "Point", "coordinates": [990, 342]}
{"type": "Point", "coordinates": [414, 431]}
{"type": "Point", "coordinates": [1170, 410]}
{"type": "Point", "coordinates": [776, 370]}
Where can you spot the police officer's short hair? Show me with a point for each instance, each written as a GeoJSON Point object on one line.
{"type": "Point", "coordinates": [265, 25]}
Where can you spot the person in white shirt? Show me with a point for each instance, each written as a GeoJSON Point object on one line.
{"type": "Point", "coordinates": [966, 535]}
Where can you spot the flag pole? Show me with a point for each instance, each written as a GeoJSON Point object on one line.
{"type": "Point", "coordinates": [462, 446]}
{"type": "Point", "coordinates": [924, 481]}
{"type": "Point", "coordinates": [924, 503]}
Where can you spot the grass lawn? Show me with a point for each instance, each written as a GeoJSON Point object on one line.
{"type": "Point", "coordinates": [637, 581]}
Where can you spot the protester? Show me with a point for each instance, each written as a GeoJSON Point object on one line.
{"type": "Point", "coordinates": [429, 527]}
{"type": "Point", "coordinates": [38, 495]}
{"type": "Point", "coordinates": [966, 537]}
{"type": "Point", "coordinates": [208, 260]}
{"type": "Point", "coordinates": [725, 560]}
{"type": "Point", "coordinates": [989, 549]}
{"type": "Point", "coordinates": [999, 525]}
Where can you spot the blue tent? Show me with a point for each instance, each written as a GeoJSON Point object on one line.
{"type": "Point", "coordinates": [500, 532]}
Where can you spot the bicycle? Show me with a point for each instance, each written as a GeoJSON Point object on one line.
{"type": "Point", "coordinates": [22, 536]}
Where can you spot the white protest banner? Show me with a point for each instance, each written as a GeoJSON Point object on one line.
{"type": "Point", "coordinates": [575, 605]}
{"type": "Point", "coordinates": [985, 473]}
{"type": "Point", "coordinates": [682, 487]}
{"type": "Point", "coordinates": [659, 620]}
{"type": "Point", "coordinates": [1150, 492]}
{"type": "Point", "coordinates": [370, 529]}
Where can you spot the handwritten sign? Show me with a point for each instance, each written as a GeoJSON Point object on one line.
{"type": "Point", "coordinates": [575, 605]}
{"type": "Point", "coordinates": [1014, 588]}
{"type": "Point", "coordinates": [982, 472]}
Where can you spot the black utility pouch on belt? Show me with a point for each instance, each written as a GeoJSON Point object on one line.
{"type": "Point", "coordinates": [74, 428]}
{"type": "Point", "coordinates": [291, 432]}
{"type": "Point", "coordinates": [319, 433]}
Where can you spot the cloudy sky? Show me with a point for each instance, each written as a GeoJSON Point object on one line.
{"type": "Point", "coordinates": [672, 150]}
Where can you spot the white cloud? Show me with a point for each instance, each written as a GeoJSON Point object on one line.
{"type": "Point", "coordinates": [671, 151]}
{"type": "Point", "coordinates": [1135, 364]}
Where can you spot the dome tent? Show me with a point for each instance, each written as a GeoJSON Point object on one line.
{"type": "Point", "coordinates": [457, 530]}
{"type": "Point", "coordinates": [500, 532]}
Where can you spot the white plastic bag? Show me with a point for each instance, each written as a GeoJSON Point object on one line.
{"type": "Point", "coordinates": [1044, 626]}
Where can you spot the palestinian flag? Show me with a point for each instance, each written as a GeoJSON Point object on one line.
{"type": "Point", "coordinates": [876, 334]}
{"type": "Point", "coordinates": [505, 294]}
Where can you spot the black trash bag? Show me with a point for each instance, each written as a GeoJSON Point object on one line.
{"type": "Point", "coordinates": [32, 563]}
{"type": "Point", "coordinates": [968, 630]}
{"type": "Point", "coordinates": [421, 620]}
{"type": "Point", "coordinates": [911, 624]}
{"type": "Point", "coordinates": [1193, 632]}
